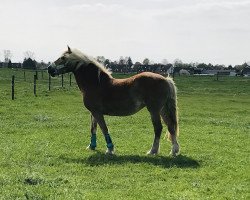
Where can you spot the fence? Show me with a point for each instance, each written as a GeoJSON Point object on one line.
{"type": "Point", "coordinates": [19, 82]}
{"type": "Point", "coordinates": [33, 81]}
{"type": "Point", "coordinates": [221, 74]}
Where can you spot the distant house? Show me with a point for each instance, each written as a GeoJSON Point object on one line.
{"type": "Point", "coordinates": [10, 65]}
{"type": "Point", "coordinates": [184, 72]}
{"type": "Point", "coordinates": [215, 72]}
{"type": "Point", "coordinates": [138, 68]}
{"type": "Point", "coordinates": [16, 65]}
{"type": "Point", "coordinates": [197, 70]}
{"type": "Point", "coordinates": [162, 69]}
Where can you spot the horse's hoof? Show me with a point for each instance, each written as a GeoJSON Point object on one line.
{"type": "Point", "coordinates": [110, 152]}
{"type": "Point", "coordinates": [90, 148]}
{"type": "Point", "coordinates": [175, 150]}
{"type": "Point", "coordinates": [172, 154]}
{"type": "Point", "coordinates": [152, 153]}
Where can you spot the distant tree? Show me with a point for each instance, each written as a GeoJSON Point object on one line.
{"type": "Point", "coordinates": [186, 66]}
{"type": "Point", "coordinates": [113, 66]}
{"type": "Point", "coordinates": [100, 59]}
{"type": "Point", "coordinates": [9, 64]}
{"type": "Point", "coordinates": [219, 67]}
{"type": "Point", "coordinates": [239, 68]}
{"type": "Point", "coordinates": [41, 65]}
{"type": "Point", "coordinates": [29, 54]}
{"type": "Point", "coordinates": [210, 66]}
{"type": "Point", "coordinates": [177, 66]}
{"type": "Point", "coordinates": [137, 63]}
{"type": "Point", "coordinates": [29, 64]}
{"type": "Point", "coordinates": [202, 66]}
{"type": "Point", "coordinates": [230, 67]}
{"type": "Point", "coordinates": [7, 55]}
{"type": "Point", "coordinates": [129, 62]}
{"type": "Point", "coordinates": [107, 63]}
{"type": "Point", "coordinates": [178, 63]}
{"type": "Point", "coordinates": [146, 61]}
{"type": "Point", "coordinates": [137, 67]}
{"type": "Point", "coordinates": [121, 61]}
{"type": "Point", "coordinates": [244, 65]}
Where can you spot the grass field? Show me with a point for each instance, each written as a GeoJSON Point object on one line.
{"type": "Point", "coordinates": [43, 141]}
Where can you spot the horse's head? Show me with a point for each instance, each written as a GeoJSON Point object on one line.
{"type": "Point", "coordinates": [73, 60]}
{"type": "Point", "coordinates": [67, 62]}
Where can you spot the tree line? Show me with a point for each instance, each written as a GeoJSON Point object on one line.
{"type": "Point", "coordinates": [126, 65]}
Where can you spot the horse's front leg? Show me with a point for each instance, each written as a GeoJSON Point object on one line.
{"type": "Point", "coordinates": [101, 122]}
{"type": "Point", "coordinates": [93, 129]}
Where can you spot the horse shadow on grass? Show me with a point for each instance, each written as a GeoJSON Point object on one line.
{"type": "Point", "coordinates": [99, 159]}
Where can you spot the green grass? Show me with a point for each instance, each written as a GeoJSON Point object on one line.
{"type": "Point", "coordinates": [43, 141]}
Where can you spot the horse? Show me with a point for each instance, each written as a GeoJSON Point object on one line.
{"type": "Point", "coordinates": [105, 95]}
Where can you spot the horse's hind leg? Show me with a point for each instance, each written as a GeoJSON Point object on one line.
{"type": "Point", "coordinates": [156, 120]}
{"type": "Point", "coordinates": [172, 128]}
{"type": "Point", "coordinates": [92, 144]}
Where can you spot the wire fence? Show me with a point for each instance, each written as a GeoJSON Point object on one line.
{"type": "Point", "coordinates": [15, 83]}
{"type": "Point", "coordinates": [32, 81]}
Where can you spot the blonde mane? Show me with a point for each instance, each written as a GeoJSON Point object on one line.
{"type": "Point", "coordinates": [88, 59]}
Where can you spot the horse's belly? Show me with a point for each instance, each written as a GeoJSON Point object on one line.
{"type": "Point", "coordinates": [122, 108]}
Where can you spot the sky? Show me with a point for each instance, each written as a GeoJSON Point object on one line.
{"type": "Point", "coordinates": [209, 31]}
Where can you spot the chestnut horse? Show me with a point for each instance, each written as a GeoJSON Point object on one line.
{"type": "Point", "coordinates": [105, 95]}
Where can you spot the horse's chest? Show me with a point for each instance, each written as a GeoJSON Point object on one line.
{"type": "Point", "coordinates": [92, 102]}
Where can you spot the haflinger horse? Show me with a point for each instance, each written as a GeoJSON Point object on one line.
{"type": "Point", "coordinates": [105, 95]}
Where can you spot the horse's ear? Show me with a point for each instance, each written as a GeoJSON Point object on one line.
{"type": "Point", "coordinates": [69, 50]}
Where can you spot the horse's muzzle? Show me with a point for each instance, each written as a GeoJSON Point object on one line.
{"type": "Point", "coordinates": [52, 70]}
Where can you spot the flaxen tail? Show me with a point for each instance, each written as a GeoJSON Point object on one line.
{"type": "Point", "coordinates": [172, 109]}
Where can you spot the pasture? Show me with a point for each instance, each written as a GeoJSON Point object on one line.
{"type": "Point", "coordinates": [43, 141]}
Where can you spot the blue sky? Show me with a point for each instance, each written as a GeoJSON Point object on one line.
{"type": "Point", "coordinates": [210, 31]}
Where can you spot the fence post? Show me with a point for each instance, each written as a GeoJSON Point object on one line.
{"type": "Point", "coordinates": [13, 87]}
{"type": "Point", "coordinates": [24, 75]}
{"type": "Point", "coordinates": [62, 80]}
{"type": "Point", "coordinates": [35, 78]}
{"type": "Point", "coordinates": [70, 79]}
{"type": "Point", "coordinates": [49, 82]}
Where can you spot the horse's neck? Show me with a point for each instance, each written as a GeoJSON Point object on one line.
{"type": "Point", "coordinates": [90, 78]}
